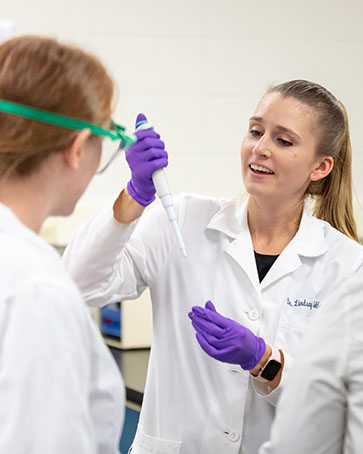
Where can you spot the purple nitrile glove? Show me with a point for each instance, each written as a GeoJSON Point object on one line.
{"type": "Point", "coordinates": [224, 339]}
{"type": "Point", "coordinates": [145, 157]}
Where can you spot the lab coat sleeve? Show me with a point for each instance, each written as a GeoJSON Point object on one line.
{"type": "Point", "coordinates": [44, 371]}
{"type": "Point", "coordinates": [320, 410]}
{"type": "Point", "coordinates": [93, 256]}
{"type": "Point", "coordinates": [113, 262]}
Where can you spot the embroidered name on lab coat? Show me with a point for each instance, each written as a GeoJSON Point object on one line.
{"type": "Point", "coordinates": [298, 303]}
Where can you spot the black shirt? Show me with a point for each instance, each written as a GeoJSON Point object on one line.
{"type": "Point", "coordinates": [264, 263]}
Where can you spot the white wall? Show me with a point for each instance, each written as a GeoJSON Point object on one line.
{"type": "Point", "coordinates": [197, 68]}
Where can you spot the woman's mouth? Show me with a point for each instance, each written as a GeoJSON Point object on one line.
{"type": "Point", "coordinates": [260, 170]}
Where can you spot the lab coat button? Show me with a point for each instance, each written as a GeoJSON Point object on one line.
{"type": "Point", "coordinates": [233, 436]}
{"type": "Point", "coordinates": [253, 315]}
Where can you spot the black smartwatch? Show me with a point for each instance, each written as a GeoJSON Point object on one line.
{"type": "Point", "coordinates": [271, 368]}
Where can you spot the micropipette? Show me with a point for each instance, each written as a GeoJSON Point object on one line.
{"type": "Point", "coordinates": [164, 194]}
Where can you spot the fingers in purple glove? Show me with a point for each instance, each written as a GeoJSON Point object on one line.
{"type": "Point", "coordinates": [147, 143]}
{"type": "Point", "coordinates": [201, 324]}
{"type": "Point", "coordinates": [218, 319]}
{"type": "Point", "coordinates": [212, 316]}
{"type": "Point", "coordinates": [210, 349]}
{"type": "Point", "coordinates": [210, 306]}
{"type": "Point", "coordinates": [211, 338]}
{"type": "Point", "coordinates": [146, 156]}
{"type": "Point", "coordinates": [205, 345]}
{"type": "Point", "coordinates": [142, 134]}
{"type": "Point", "coordinates": [155, 164]}
{"type": "Point", "coordinates": [199, 311]}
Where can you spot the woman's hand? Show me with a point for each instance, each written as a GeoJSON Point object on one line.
{"type": "Point", "coordinates": [145, 157]}
{"type": "Point", "coordinates": [226, 340]}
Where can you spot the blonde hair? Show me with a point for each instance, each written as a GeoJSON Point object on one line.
{"type": "Point", "coordinates": [333, 194]}
{"type": "Point", "coordinates": [43, 73]}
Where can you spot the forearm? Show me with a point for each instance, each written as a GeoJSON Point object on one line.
{"type": "Point", "coordinates": [126, 209]}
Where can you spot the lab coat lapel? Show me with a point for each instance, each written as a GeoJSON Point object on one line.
{"type": "Point", "coordinates": [309, 241]}
{"type": "Point", "coordinates": [288, 261]}
{"type": "Point", "coordinates": [241, 250]}
{"type": "Point", "coordinates": [232, 221]}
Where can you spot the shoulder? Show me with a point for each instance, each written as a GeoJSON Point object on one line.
{"type": "Point", "coordinates": [318, 231]}
{"type": "Point", "coordinates": [34, 283]}
{"type": "Point", "coordinates": [197, 207]}
{"type": "Point", "coordinates": [336, 240]}
{"type": "Point", "coordinates": [318, 240]}
{"type": "Point", "coordinates": [349, 293]}
{"type": "Point", "coordinates": [199, 199]}
{"type": "Point", "coordinates": [189, 208]}
{"type": "Point", "coordinates": [29, 260]}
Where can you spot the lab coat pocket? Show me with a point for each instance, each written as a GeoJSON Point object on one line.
{"type": "Point", "coordinates": [290, 332]}
{"type": "Point", "coordinates": [145, 444]}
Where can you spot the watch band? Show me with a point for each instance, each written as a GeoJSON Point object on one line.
{"type": "Point", "coordinates": [271, 368]}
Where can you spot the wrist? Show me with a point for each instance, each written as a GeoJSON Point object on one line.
{"type": "Point", "coordinates": [261, 364]}
{"type": "Point", "coordinates": [271, 371]}
{"type": "Point", "coordinates": [126, 209]}
{"type": "Point", "coordinates": [143, 198]}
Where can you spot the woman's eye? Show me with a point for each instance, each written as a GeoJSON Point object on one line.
{"type": "Point", "coordinates": [285, 143]}
{"type": "Point", "coordinates": [255, 133]}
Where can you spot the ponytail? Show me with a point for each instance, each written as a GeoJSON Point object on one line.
{"type": "Point", "coordinates": [333, 194]}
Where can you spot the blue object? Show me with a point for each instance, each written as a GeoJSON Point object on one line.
{"type": "Point", "coordinates": [129, 429]}
{"type": "Point", "coordinates": [111, 319]}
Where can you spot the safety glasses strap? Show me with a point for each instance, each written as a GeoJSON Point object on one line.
{"type": "Point", "coordinates": [43, 116]}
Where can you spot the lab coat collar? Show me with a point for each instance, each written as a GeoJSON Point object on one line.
{"type": "Point", "coordinates": [231, 219]}
{"type": "Point", "coordinates": [7, 217]}
{"type": "Point", "coordinates": [8, 220]}
{"type": "Point", "coordinates": [309, 240]}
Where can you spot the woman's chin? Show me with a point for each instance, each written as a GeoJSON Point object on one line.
{"type": "Point", "coordinates": [258, 191]}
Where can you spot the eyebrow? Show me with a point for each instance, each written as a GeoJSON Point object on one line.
{"type": "Point", "coordinates": [279, 127]}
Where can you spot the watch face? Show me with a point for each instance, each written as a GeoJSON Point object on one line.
{"type": "Point", "coordinates": [271, 370]}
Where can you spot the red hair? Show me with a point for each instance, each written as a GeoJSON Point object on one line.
{"type": "Point", "coordinates": [45, 74]}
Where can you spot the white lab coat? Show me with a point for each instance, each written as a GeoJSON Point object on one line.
{"type": "Point", "coordinates": [321, 409]}
{"type": "Point", "coordinates": [193, 403]}
{"type": "Point", "coordinates": [60, 389]}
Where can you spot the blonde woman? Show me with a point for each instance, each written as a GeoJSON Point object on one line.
{"type": "Point", "coordinates": [265, 264]}
{"type": "Point", "coordinates": [60, 390]}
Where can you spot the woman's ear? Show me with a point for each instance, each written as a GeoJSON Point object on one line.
{"type": "Point", "coordinates": [322, 168]}
{"type": "Point", "coordinates": [74, 153]}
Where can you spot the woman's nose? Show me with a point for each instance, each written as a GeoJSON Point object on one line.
{"type": "Point", "coordinates": [262, 147]}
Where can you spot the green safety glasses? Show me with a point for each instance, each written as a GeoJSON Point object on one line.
{"type": "Point", "coordinates": [116, 133]}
